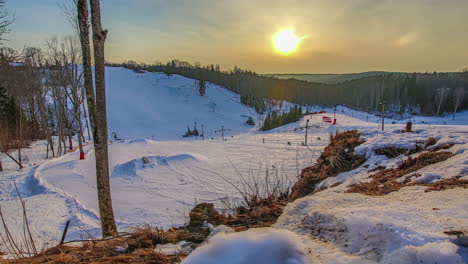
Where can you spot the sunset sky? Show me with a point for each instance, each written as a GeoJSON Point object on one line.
{"type": "Point", "coordinates": [338, 35]}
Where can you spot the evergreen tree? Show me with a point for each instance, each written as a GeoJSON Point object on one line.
{"type": "Point", "coordinates": [201, 87]}
{"type": "Point", "coordinates": [8, 108]}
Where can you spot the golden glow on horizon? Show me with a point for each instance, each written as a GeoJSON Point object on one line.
{"type": "Point", "coordinates": [286, 42]}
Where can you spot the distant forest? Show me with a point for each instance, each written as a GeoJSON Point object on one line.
{"type": "Point", "coordinates": [329, 78]}
{"type": "Point", "coordinates": [416, 93]}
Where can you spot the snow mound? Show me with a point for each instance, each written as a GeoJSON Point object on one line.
{"type": "Point", "coordinates": [429, 253]}
{"type": "Point", "coordinates": [133, 167]}
{"type": "Point", "coordinates": [128, 169]}
{"type": "Point", "coordinates": [140, 141]}
{"type": "Point", "coordinates": [262, 246]}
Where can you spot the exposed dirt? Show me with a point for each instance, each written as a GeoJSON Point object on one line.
{"type": "Point", "coordinates": [337, 157]}
{"type": "Point", "coordinates": [385, 181]}
{"type": "Point", "coordinates": [448, 184]}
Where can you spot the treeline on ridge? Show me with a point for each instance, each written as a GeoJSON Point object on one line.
{"type": "Point", "coordinates": [417, 93]}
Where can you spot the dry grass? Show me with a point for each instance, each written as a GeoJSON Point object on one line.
{"type": "Point", "coordinates": [391, 152]}
{"type": "Point", "coordinates": [448, 184]}
{"type": "Point", "coordinates": [337, 157]}
{"type": "Point", "coordinates": [146, 237]}
{"type": "Point", "coordinates": [430, 141]}
{"type": "Point", "coordinates": [264, 193]}
{"type": "Point", "coordinates": [443, 146]}
{"type": "Point", "coordinates": [78, 255]}
{"type": "Point", "coordinates": [264, 214]}
{"type": "Point", "coordinates": [139, 247]}
{"type": "Point", "coordinates": [385, 181]}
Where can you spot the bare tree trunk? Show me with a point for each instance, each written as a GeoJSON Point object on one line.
{"type": "Point", "coordinates": [97, 110]}
{"type": "Point", "coordinates": [80, 131]}
{"type": "Point", "coordinates": [20, 141]}
{"type": "Point", "coordinates": [86, 57]}
{"type": "Point", "coordinates": [70, 137]}
{"type": "Point", "coordinates": [15, 160]}
{"type": "Point", "coordinates": [87, 124]}
{"type": "Point", "coordinates": [440, 102]}
{"type": "Point", "coordinates": [46, 127]}
{"type": "Point", "coordinates": [459, 94]}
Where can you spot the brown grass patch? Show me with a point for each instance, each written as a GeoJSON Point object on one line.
{"type": "Point", "coordinates": [337, 157]}
{"type": "Point", "coordinates": [107, 255]}
{"type": "Point", "coordinates": [448, 184]}
{"type": "Point", "coordinates": [385, 181]}
{"type": "Point", "coordinates": [430, 141]}
{"type": "Point", "coordinates": [264, 214]}
{"type": "Point", "coordinates": [391, 152]}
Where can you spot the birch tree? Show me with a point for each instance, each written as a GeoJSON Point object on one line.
{"type": "Point", "coordinates": [97, 106]}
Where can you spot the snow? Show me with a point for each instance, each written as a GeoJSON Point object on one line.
{"type": "Point", "coordinates": [182, 171]}
{"type": "Point", "coordinates": [262, 246]}
{"type": "Point", "coordinates": [155, 106]}
{"type": "Point", "coordinates": [331, 226]}
{"type": "Point", "coordinates": [220, 229]}
{"type": "Point", "coordinates": [180, 175]}
{"type": "Point", "coordinates": [383, 228]}
{"type": "Point", "coordinates": [173, 249]}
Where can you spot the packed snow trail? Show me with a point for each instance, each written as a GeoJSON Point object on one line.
{"type": "Point", "coordinates": [180, 175]}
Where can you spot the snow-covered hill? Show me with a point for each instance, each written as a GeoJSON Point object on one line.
{"type": "Point", "coordinates": [156, 106]}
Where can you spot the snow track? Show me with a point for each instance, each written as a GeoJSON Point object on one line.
{"type": "Point", "coordinates": [179, 175]}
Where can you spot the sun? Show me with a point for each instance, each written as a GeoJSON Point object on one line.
{"type": "Point", "coordinates": [286, 42]}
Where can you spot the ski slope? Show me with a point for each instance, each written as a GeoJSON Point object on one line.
{"type": "Point", "coordinates": [155, 106]}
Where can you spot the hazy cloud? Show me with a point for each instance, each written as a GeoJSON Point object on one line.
{"type": "Point", "coordinates": [406, 39]}
{"type": "Point", "coordinates": [342, 35]}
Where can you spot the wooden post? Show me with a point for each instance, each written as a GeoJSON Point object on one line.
{"type": "Point", "coordinates": [202, 132]}
{"type": "Point", "coordinates": [408, 126]}
{"type": "Point", "coordinates": [307, 128]}
{"type": "Point", "coordinates": [64, 232]}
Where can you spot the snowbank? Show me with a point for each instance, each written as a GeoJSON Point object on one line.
{"type": "Point", "coordinates": [260, 246]}
{"type": "Point", "coordinates": [402, 227]}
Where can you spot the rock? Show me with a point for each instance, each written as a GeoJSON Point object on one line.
{"type": "Point", "coordinates": [204, 212]}
{"type": "Point", "coordinates": [145, 160]}
{"type": "Point", "coordinates": [454, 232]}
